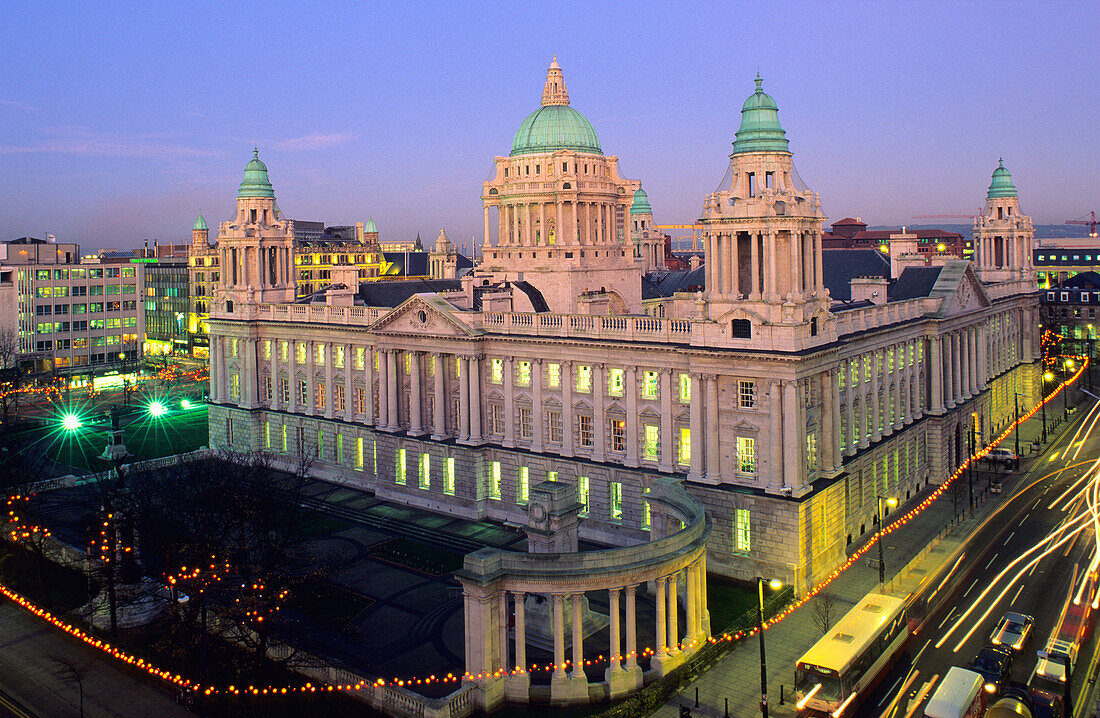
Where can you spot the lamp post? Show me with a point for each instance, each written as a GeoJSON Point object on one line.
{"type": "Point", "coordinates": [1017, 397]}
{"type": "Point", "coordinates": [774, 584]}
{"type": "Point", "coordinates": [1066, 367]}
{"type": "Point", "coordinates": [1047, 376]}
{"type": "Point", "coordinates": [879, 516]}
{"type": "Point", "coordinates": [970, 467]}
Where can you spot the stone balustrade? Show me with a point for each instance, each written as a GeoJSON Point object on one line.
{"type": "Point", "coordinates": [498, 587]}
{"type": "Point", "coordinates": [852, 321]}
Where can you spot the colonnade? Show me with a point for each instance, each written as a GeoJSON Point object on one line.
{"type": "Point", "coordinates": [878, 386]}
{"type": "Point", "coordinates": [574, 222]}
{"type": "Point", "coordinates": [802, 275]}
{"type": "Point", "coordinates": [1008, 251]}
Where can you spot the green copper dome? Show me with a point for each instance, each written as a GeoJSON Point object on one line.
{"type": "Point", "coordinates": [255, 183]}
{"type": "Point", "coordinates": [641, 203]}
{"type": "Point", "coordinates": [555, 127]}
{"type": "Point", "coordinates": [371, 226]}
{"type": "Point", "coordinates": [1001, 186]}
{"type": "Point", "coordinates": [760, 130]}
{"type": "Point", "coordinates": [200, 223]}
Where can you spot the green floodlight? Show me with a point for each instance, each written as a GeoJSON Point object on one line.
{"type": "Point", "coordinates": [71, 422]}
{"type": "Point", "coordinates": [185, 404]}
{"type": "Point", "coordinates": [157, 409]}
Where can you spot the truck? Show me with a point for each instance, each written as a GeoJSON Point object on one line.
{"type": "Point", "coordinates": [1056, 660]}
{"type": "Point", "coordinates": [960, 695]}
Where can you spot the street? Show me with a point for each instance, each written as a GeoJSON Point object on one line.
{"type": "Point", "coordinates": [953, 633]}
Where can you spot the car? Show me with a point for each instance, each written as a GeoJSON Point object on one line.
{"type": "Point", "coordinates": [1046, 705]}
{"type": "Point", "coordinates": [1012, 630]}
{"type": "Point", "coordinates": [994, 665]}
{"type": "Point", "coordinates": [1007, 457]}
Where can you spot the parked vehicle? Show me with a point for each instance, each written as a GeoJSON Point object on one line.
{"type": "Point", "coordinates": [1005, 457]}
{"type": "Point", "coordinates": [994, 663]}
{"type": "Point", "coordinates": [959, 695]}
{"type": "Point", "coordinates": [1012, 630]}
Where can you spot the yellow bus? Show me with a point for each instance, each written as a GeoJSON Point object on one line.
{"type": "Point", "coordinates": [833, 676]}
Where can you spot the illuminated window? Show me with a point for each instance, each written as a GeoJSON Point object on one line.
{"type": "Point", "coordinates": [494, 480]}
{"type": "Point", "coordinates": [616, 500]}
{"type": "Point", "coordinates": [424, 471]}
{"type": "Point", "coordinates": [583, 494]}
{"type": "Point", "coordinates": [235, 386]}
{"type": "Point", "coordinates": [496, 419]}
{"type": "Point", "coordinates": [584, 428]}
{"type": "Point", "coordinates": [300, 352]}
{"type": "Point", "coordinates": [647, 519]}
{"type": "Point", "coordinates": [284, 351]}
{"type": "Point", "coordinates": [584, 379]}
{"type": "Point", "coordinates": [811, 451]}
{"type": "Point", "coordinates": [615, 382]}
{"type": "Point", "coordinates": [359, 453]}
{"type": "Point", "coordinates": [551, 476]}
{"type": "Point", "coordinates": [685, 388]}
{"type": "Point", "coordinates": [523, 485]}
{"type": "Point", "coordinates": [742, 531]}
{"type": "Point", "coordinates": [267, 388]}
{"type": "Point", "coordinates": [651, 446]}
{"type": "Point", "coordinates": [496, 371]}
{"type": "Point", "coordinates": [553, 426]}
{"type": "Point", "coordinates": [283, 439]}
{"type": "Point", "coordinates": [338, 357]}
{"type": "Point", "coordinates": [303, 393]}
{"type": "Point", "coordinates": [338, 397]}
{"type": "Point", "coordinates": [651, 387]}
{"type": "Point", "coordinates": [320, 444]}
{"type": "Point", "coordinates": [746, 455]}
{"type": "Point", "coordinates": [523, 373]}
{"type": "Point", "coordinates": [320, 395]}
{"type": "Point", "coordinates": [525, 431]}
{"type": "Point", "coordinates": [267, 348]}
{"type": "Point", "coordinates": [360, 357]}
{"type": "Point", "coordinates": [340, 448]}
{"type": "Point", "coordinates": [684, 454]}
{"type": "Point", "coordinates": [553, 375]}
{"type": "Point", "coordinates": [267, 434]}
{"type": "Point", "coordinates": [449, 482]}
{"type": "Point", "coordinates": [360, 400]}
{"type": "Point", "coordinates": [618, 434]}
{"type": "Point", "coordinates": [400, 474]}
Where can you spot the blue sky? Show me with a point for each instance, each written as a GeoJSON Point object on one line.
{"type": "Point", "coordinates": [119, 122]}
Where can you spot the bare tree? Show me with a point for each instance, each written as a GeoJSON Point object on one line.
{"type": "Point", "coordinates": [824, 608]}
{"type": "Point", "coordinates": [10, 378]}
{"type": "Point", "coordinates": [70, 671]}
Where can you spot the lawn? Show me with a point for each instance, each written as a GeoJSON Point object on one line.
{"type": "Point", "coordinates": [727, 601]}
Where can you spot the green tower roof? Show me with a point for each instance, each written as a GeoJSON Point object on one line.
{"type": "Point", "coordinates": [555, 127]}
{"type": "Point", "coordinates": [370, 226]}
{"type": "Point", "coordinates": [200, 223]}
{"type": "Point", "coordinates": [760, 130]}
{"type": "Point", "coordinates": [1001, 186]}
{"type": "Point", "coordinates": [641, 203]}
{"type": "Point", "coordinates": [255, 183]}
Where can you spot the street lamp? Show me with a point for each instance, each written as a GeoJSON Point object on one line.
{"type": "Point", "coordinates": [890, 501]}
{"type": "Point", "coordinates": [1066, 368]}
{"type": "Point", "coordinates": [1017, 397]}
{"type": "Point", "coordinates": [1043, 404]}
{"type": "Point", "coordinates": [774, 584]}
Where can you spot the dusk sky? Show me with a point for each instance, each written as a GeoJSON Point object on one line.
{"type": "Point", "coordinates": [120, 122]}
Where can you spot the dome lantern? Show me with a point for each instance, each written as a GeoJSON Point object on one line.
{"type": "Point", "coordinates": [255, 182]}
{"type": "Point", "coordinates": [760, 130]}
{"type": "Point", "coordinates": [1001, 186]}
{"type": "Point", "coordinates": [555, 125]}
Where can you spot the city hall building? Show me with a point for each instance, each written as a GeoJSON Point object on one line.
{"type": "Point", "coordinates": [784, 386]}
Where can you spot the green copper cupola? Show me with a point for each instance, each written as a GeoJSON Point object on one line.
{"type": "Point", "coordinates": [255, 183]}
{"type": "Point", "coordinates": [200, 224]}
{"type": "Point", "coordinates": [760, 130]}
{"type": "Point", "coordinates": [1001, 186]}
{"type": "Point", "coordinates": [641, 203]}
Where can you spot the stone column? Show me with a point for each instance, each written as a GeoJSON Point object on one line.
{"type": "Point", "coordinates": [964, 363]}
{"type": "Point", "coordinates": [311, 380]}
{"type": "Point", "coordinates": [292, 375]}
{"type": "Point", "coordinates": [349, 390]}
{"type": "Point", "coordinates": [714, 457]}
{"type": "Point", "coordinates": [691, 630]}
{"type": "Point", "coordinates": [509, 402]}
{"type": "Point", "coordinates": [543, 237]}
{"type": "Point", "coordinates": [329, 393]}
{"type": "Point", "coordinates": [416, 419]}
{"type": "Point", "coordinates": [771, 291]}
{"type": "Point", "coordinates": [790, 435]}
{"type": "Point", "coordinates": [876, 398]}
{"type": "Point", "coordinates": [559, 635]}
{"type": "Point", "coordinates": [983, 355]}
{"type": "Point", "coordinates": [368, 383]}
{"type": "Point", "coordinates": [559, 222]}
{"type": "Point", "coordinates": [528, 235]}
{"type": "Point", "coordinates": [667, 459]}
{"type": "Point", "coordinates": [537, 410]}
{"type": "Point", "coordinates": [935, 370]}
{"type": "Point", "coordinates": [673, 629]}
{"type": "Point", "coordinates": [819, 272]}
{"type": "Point", "coordinates": [631, 416]}
{"type": "Point", "coordinates": [599, 421]}
{"type": "Point", "coordinates": [439, 413]}
{"type": "Point", "coordinates": [578, 634]}
{"type": "Point", "coordinates": [956, 369]}
{"type": "Point", "coordinates": [754, 252]}
{"type": "Point", "coordinates": [475, 399]}
{"type": "Point", "coordinates": [486, 208]}
{"type": "Point", "coordinates": [631, 629]}
{"type": "Point", "coordinates": [464, 400]}
{"type": "Point", "coordinates": [696, 424]}
{"type": "Point", "coordinates": [392, 387]}
{"type": "Point", "coordinates": [518, 598]}
{"type": "Point", "coordinates": [850, 429]}
{"type": "Point", "coordinates": [899, 370]}
{"type": "Point", "coordinates": [829, 429]}
{"type": "Point", "coordinates": [502, 627]}
{"type": "Point", "coordinates": [659, 610]}
{"type": "Point", "coordinates": [567, 408]}
{"type": "Point", "coordinates": [615, 644]}
{"type": "Point", "coordinates": [976, 381]}
{"type": "Point", "coordinates": [866, 402]}
{"type": "Point", "coordinates": [775, 438]}
{"type": "Point", "coordinates": [729, 263]}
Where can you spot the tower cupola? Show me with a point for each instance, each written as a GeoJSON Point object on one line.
{"type": "Point", "coordinates": [760, 130]}
{"type": "Point", "coordinates": [1001, 185]}
{"type": "Point", "coordinates": [255, 182]}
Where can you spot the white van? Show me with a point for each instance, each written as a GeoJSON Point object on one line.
{"type": "Point", "coordinates": [960, 695]}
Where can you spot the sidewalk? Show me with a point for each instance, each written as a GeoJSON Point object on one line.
{"type": "Point", "coordinates": [913, 551]}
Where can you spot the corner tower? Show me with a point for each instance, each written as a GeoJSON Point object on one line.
{"type": "Point", "coordinates": [762, 234]}
{"type": "Point", "coordinates": [1005, 237]}
{"type": "Point", "coordinates": [200, 234]}
{"type": "Point", "coordinates": [562, 211]}
{"type": "Point", "coordinates": [649, 243]}
{"type": "Point", "coordinates": [256, 248]}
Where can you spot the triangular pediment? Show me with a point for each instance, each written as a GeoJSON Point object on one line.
{"type": "Point", "coordinates": [425, 314]}
{"type": "Point", "coordinates": [744, 427]}
{"type": "Point", "coordinates": [959, 290]}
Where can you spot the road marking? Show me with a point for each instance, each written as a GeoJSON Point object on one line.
{"type": "Point", "coordinates": [1025, 518]}
{"type": "Point", "coordinates": [1021, 588]}
{"type": "Point", "coordinates": [1010, 536]}
{"type": "Point", "coordinates": [947, 617]}
{"type": "Point", "coordinates": [890, 690]}
{"type": "Point", "coordinates": [991, 561]}
{"type": "Point", "coordinates": [971, 587]}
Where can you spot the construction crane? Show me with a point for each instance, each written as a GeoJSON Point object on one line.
{"type": "Point", "coordinates": [696, 232]}
{"type": "Point", "coordinates": [1091, 222]}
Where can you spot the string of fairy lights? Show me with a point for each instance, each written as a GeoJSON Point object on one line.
{"type": "Point", "coordinates": [203, 578]}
